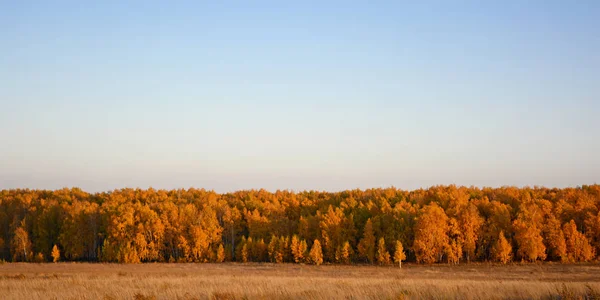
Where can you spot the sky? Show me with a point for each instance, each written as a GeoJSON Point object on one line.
{"type": "Point", "coordinates": [299, 95]}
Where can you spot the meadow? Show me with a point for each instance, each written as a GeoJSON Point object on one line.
{"type": "Point", "coordinates": [293, 281]}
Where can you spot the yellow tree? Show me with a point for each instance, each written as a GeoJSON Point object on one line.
{"type": "Point", "coordinates": [366, 246]}
{"type": "Point", "coordinates": [453, 252]}
{"type": "Point", "coordinates": [592, 230]}
{"type": "Point", "coordinates": [316, 254]}
{"type": "Point", "coordinates": [302, 249]}
{"type": "Point", "coordinates": [502, 251]}
{"type": "Point", "coordinates": [344, 253]}
{"type": "Point", "coordinates": [470, 223]}
{"type": "Point", "coordinates": [399, 254]}
{"type": "Point", "coordinates": [220, 253]}
{"type": "Point", "coordinates": [294, 243]}
{"type": "Point", "coordinates": [55, 254]}
{"type": "Point", "coordinates": [21, 245]}
{"type": "Point", "coordinates": [273, 248]}
{"type": "Point", "coordinates": [297, 251]}
{"type": "Point", "coordinates": [578, 247]}
{"type": "Point", "coordinates": [245, 253]}
{"type": "Point", "coordinates": [232, 225]}
{"type": "Point", "coordinates": [383, 256]}
{"type": "Point", "coordinates": [498, 218]}
{"type": "Point", "coordinates": [431, 234]}
{"type": "Point", "coordinates": [184, 248]}
{"type": "Point", "coordinates": [283, 250]}
{"type": "Point", "coordinates": [200, 243]}
{"type": "Point", "coordinates": [529, 239]}
{"type": "Point", "coordinates": [555, 239]}
{"type": "Point", "coordinates": [331, 231]}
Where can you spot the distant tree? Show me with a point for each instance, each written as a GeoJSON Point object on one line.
{"type": "Point", "coordinates": [592, 230]}
{"type": "Point", "coordinates": [283, 250]}
{"type": "Point", "coordinates": [261, 251]}
{"type": "Point", "coordinates": [555, 239]}
{"type": "Point", "coordinates": [273, 248]}
{"type": "Point", "coordinates": [316, 254]}
{"type": "Point", "coordinates": [331, 231]}
{"type": "Point", "coordinates": [302, 251]}
{"type": "Point", "coordinates": [453, 252]}
{"type": "Point", "coordinates": [578, 247]}
{"type": "Point", "coordinates": [39, 258]}
{"type": "Point", "coordinates": [366, 246]}
{"type": "Point", "coordinates": [55, 254]}
{"type": "Point", "coordinates": [470, 223]}
{"type": "Point", "coordinates": [441, 223]}
{"type": "Point", "coordinates": [220, 253]}
{"type": "Point", "coordinates": [245, 255]}
{"type": "Point", "coordinates": [295, 248]}
{"type": "Point", "coordinates": [344, 253]}
{"type": "Point", "coordinates": [431, 234]}
{"type": "Point", "coordinates": [21, 245]}
{"type": "Point", "coordinates": [383, 256]}
{"type": "Point", "coordinates": [399, 254]}
{"type": "Point", "coordinates": [529, 239]}
{"type": "Point", "coordinates": [502, 250]}
{"type": "Point", "coordinates": [241, 252]}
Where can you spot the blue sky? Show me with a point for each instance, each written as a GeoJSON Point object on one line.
{"type": "Point", "coordinates": [298, 94]}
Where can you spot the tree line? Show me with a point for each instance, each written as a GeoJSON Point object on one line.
{"type": "Point", "coordinates": [441, 224]}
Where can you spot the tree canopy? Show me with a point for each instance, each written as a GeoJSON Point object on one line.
{"type": "Point", "coordinates": [439, 224]}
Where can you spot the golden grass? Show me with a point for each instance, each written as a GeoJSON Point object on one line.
{"type": "Point", "coordinates": [289, 281]}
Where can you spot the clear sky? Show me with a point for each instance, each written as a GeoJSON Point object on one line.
{"type": "Point", "coordinates": [323, 95]}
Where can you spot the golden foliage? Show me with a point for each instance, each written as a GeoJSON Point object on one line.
{"type": "Point", "coordinates": [55, 254]}
{"type": "Point", "coordinates": [431, 237]}
{"type": "Point", "coordinates": [366, 246]}
{"type": "Point", "coordinates": [502, 251]}
{"type": "Point", "coordinates": [440, 224]}
{"type": "Point", "coordinates": [383, 256]}
{"type": "Point", "coordinates": [316, 254]}
{"type": "Point", "coordinates": [399, 254]}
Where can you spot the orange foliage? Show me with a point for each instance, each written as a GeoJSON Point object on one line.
{"type": "Point", "coordinates": [439, 224]}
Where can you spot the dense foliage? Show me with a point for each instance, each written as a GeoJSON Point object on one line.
{"type": "Point", "coordinates": [440, 224]}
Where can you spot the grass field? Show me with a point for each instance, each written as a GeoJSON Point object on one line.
{"type": "Point", "coordinates": [289, 281]}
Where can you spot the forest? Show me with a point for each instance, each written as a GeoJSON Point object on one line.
{"type": "Point", "coordinates": [440, 224]}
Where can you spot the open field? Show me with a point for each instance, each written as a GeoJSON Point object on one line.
{"type": "Point", "coordinates": [286, 281]}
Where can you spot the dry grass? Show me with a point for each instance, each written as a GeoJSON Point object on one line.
{"type": "Point", "coordinates": [268, 281]}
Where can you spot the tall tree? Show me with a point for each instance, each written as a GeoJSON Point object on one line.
{"type": "Point", "coordinates": [220, 257]}
{"type": "Point", "coordinates": [21, 245]}
{"type": "Point", "coordinates": [383, 256]}
{"type": "Point", "coordinates": [470, 223]}
{"type": "Point", "coordinates": [528, 237]}
{"type": "Point", "coordinates": [431, 234]}
{"type": "Point", "coordinates": [344, 254]}
{"type": "Point", "coordinates": [316, 254]}
{"type": "Point", "coordinates": [502, 251]}
{"type": "Point", "coordinates": [555, 239]}
{"type": "Point", "coordinates": [366, 246]}
{"type": "Point", "coordinates": [578, 247]}
{"type": "Point", "coordinates": [399, 254]}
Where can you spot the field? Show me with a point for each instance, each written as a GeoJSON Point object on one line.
{"type": "Point", "coordinates": [288, 281]}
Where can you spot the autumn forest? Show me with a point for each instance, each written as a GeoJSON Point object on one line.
{"type": "Point", "coordinates": [441, 224]}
